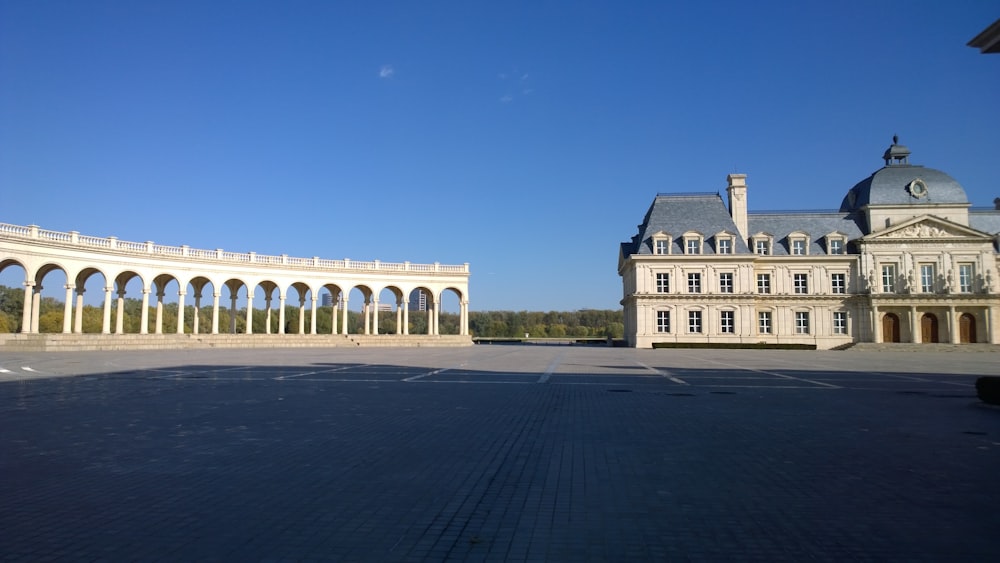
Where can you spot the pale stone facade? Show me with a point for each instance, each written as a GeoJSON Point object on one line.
{"type": "Point", "coordinates": [281, 279]}
{"type": "Point", "coordinates": [904, 259]}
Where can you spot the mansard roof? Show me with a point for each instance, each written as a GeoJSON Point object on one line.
{"type": "Point", "coordinates": [815, 224]}
{"type": "Point", "coordinates": [677, 214]}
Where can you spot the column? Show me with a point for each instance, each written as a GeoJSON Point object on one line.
{"type": "Point", "coordinates": [144, 313]}
{"type": "Point", "coordinates": [215, 311]}
{"type": "Point", "coordinates": [312, 316]}
{"type": "Point", "coordinates": [36, 306]}
{"type": "Point", "coordinates": [953, 325]}
{"type": "Point", "coordinates": [159, 310]}
{"type": "Point", "coordinates": [281, 313]}
{"type": "Point", "coordinates": [374, 315]}
{"type": "Point", "coordinates": [914, 329]}
{"type": "Point", "coordinates": [197, 312]}
{"type": "Point", "coordinates": [120, 313]}
{"type": "Point", "coordinates": [437, 317]}
{"type": "Point", "coordinates": [180, 311]}
{"type": "Point", "coordinates": [267, 314]}
{"type": "Point", "coordinates": [78, 322]}
{"type": "Point", "coordinates": [333, 315]}
{"type": "Point", "coordinates": [464, 322]}
{"type": "Point", "coordinates": [249, 329]}
{"type": "Point", "coordinates": [232, 310]}
{"type": "Point", "coordinates": [876, 327]}
{"type": "Point", "coordinates": [365, 311]}
{"type": "Point", "coordinates": [991, 336]}
{"type": "Point", "coordinates": [68, 310]}
{"type": "Point", "coordinates": [106, 323]}
{"type": "Point", "coordinates": [343, 313]}
{"type": "Point", "coordinates": [26, 307]}
{"type": "Point", "coordinates": [399, 316]}
{"type": "Point", "coordinates": [302, 315]}
{"type": "Point", "coordinates": [406, 317]}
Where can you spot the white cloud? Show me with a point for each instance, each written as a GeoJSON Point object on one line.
{"type": "Point", "coordinates": [386, 71]}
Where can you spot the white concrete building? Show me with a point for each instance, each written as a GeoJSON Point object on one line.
{"type": "Point", "coordinates": [904, 259]}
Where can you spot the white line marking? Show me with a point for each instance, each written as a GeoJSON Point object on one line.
{"type": "Point", "coordinates": [663, 373]}
{"type": "Point", "coordinates": [433, 372]}
{"type": "Point", "coordinates": [284, 377]}
{"type": "Point", "coordinates": [781, 375]}
{"type": "Point", "coordinates": [26, 368]}
{"type": "Point", "coordinates": [2, 370]}
{"type": "Point", "coordinates": [552, 367]}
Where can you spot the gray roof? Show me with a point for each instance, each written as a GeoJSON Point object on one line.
{"type": "Point", "coordinates": [815, 224]}
{"type": "Point", "coordinates": [677, 214]}
{"type": "Point", "coordinates": [888, 186]}
{"type": "Point", "coordinates": [987, 221]}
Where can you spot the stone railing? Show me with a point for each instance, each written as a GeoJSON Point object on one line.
{"type": "Point", "coordinates": [112, 244]}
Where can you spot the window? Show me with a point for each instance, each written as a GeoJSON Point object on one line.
{"type": "Point", "coordinates": [838, 283]}
{"type": "Point", "coordinates": [800, 282]}
{"type": "Point", "coordinates": [966, 273]}
{"type": "Point", "coordinates": [726, 322]}
{"type": "Point", "coordinates": [663, 321]}
{"type": "Point", "coordinates": [762, 247]}
{"type": "Point", "coordinates": [662, 283]}
{"type": "Point", "coordinates": [694, 283]}
{"type": "Point", "coordinates": [839, 322]}
{"type": "Point", "coordinates": [836, 246]}
{"type": "Point", "coordinates": [662, 246]}
{"type": "Point", "coordinates": [763, 283]}
{"type": "Point", "coordinates": [725, 246]}
{"type": "Point", "coordinates": [927, 278]}
{"type": "Point", "coordinates": [692, 246]}
{"type": "Point", "coordinates": [801, 322]}
{"type": "Point", "coordinates": [888, 278]}
{"type": "Point", "coordinates": [798, 247]}
{"type": "Point", "coordinates": [764, 322]}
{"type": "Point", "coordinates": [694, 321]}
{"type": "Point", "coordinates": [726, 283]}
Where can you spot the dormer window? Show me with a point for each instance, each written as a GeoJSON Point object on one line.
{"type": "Point", "coordinates": [762, 244]}
{"type": "Point", "coordinates": [661, 243]}
{"type": "Point", "coordinates": [798, 244]}
{"type": "Point", "coordinates": [724, 243]}
{"type": "Point", "coordinates": [836, 243]}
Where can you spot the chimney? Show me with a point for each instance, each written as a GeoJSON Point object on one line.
{"type": "Point", "coordinates": [737, 191]}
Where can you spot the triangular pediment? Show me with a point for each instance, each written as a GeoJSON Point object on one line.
{"type": "Point", "coordinates": [928, 227]}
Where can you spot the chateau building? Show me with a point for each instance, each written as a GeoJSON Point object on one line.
{"type": "Point", "coordinates": [904, 259]}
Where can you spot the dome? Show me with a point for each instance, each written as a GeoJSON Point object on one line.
{"type": "Point", "coordinates": [900, 183]}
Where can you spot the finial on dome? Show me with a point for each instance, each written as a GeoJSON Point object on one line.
{"type": "Point", "coordinates": [896, 154]}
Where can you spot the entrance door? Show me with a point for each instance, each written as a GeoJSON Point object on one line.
{"type": "Point", "coordinates": [929, 328]}
{"type": "Point", "coordinates": [890, 328]}
{"type": "Point", "coordinates": [966, 328]}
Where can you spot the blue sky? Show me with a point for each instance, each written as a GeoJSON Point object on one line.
{"type": "Point", "coordinates": [526, 138]}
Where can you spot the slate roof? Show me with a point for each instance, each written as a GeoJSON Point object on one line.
{"type": "Point", "coordinates": [815, 224]}
{"type": "Point", "coordinates": [987, 221]}
{"type": "Point", "coordinates": [677, 214]}
{"type": "Point", "coordinates": [887, 186]}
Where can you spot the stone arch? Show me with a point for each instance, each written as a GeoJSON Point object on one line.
{"type": "Point", "coordinates": [298, 324]}
{"type": "Point", "coordinates": [198, 285]}
{"type": "Point", "coordinates": [159, 287]}
{"type": "Point", "coordinates": [390, 311]}
{"type": "Point", "coordinates": [46, 315]}
{"type": "Point", "coordinates": [90, 319]}
{"type": "Point", "coordinates": [233, 319]}
{"type": "Point", "coordinates": [362, 321]}
{"type": "Point", "coordinates": [451, 316]}
{"type": "Point", "coordinates": [336, 296]}
{"type": "Point", "coordinates": [17, 322]}
{"type": "Point", "coordinates": [124, 308]}
{"type": "Point", "coordinates": [422, 310]}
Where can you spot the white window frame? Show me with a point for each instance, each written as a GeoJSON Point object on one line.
{"type": "Point", "coordinates": [966, 277]}
{"type": "Point", "coordinates": [889, 278]}
{"type": "Point", "coordinates": [724, 245]}
{"type": "Point", "coordinates": [802, 322]}
{"type": "Point", "coordinates": [840, 322]}
{"type": "Point", "coordinates": [695, 325]}
{"type": "Point", "coordinates": [662, 281]}
{"type": "Point", "coordinates": [764, 282]}
{"type": "Point", "coordinates": [765, 322]}
{"type": "Point", "coordinates": [762, 244]}
{"type": "Point", "coordinates": [662, 321]}
{"type": "Point", "coordinates": [725, 282]}
{"type": "Point", "coordinates": [838, 283]}
{"type": "Point", "coordinates": [692, 244]}
{"type": "Point", "coordinates": [727, 322]}
{"type": "Point", "coordinates": [800, 283]}
{"type": "Point", "coordinates": [836, 246]}
{"type": "Point", "coordinates": [928, 274]}
{"type": "Point", "coordinates": [694, 282]}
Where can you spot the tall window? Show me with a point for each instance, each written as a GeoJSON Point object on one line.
{"type": "Point", "coordinates": [838, 283]}
{"type": "Point", "coordinates": [764, 322]}
{"type": "Point", "coordinates": [840, 322]}
{"type": "Point", "coordinates": [694, 321]}
{"type": "Point", "coordinates": [694, 283]}
{"type": "Point", "coordinates": [966, 273]}
{"type": "Point", "coordinates": [726, 322]}
{"type": "Point", "coordinates": [888, 278]}
{"type": "Point", "coordinates": [662, 283]}
{"type": "Point", "coordinates": [662, 246]}
{"type": "Point", "coordinates": [725, 246]}
{"type": "Point", "coordinates": [763, 283]}
{"type": "Point", "coordinates": [836, 246]}
{"type": "Point", "coordinates": [798, 247]}
{"type": "Point", "coordinates": [800, 282]}
{"type": "Point", "coordinates": [663, 321]}
{"type": "Point", "coordinates": [801, 322]}
{"type": "Point", "coordinates": [761, 246]}
{"type": "Point", "coordinates": [693, 246]}
{"type": "Point", "coordinates": [927, 278]}
{"type": "Point", "coordinates": [725, 283]}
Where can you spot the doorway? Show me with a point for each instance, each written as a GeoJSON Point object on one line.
{"type": "Point", "coordinates": [929, 328]}
{"type": "Point", "coordinates": [890, 328]}
{"type": "Point", "coordinates": [967, 328]}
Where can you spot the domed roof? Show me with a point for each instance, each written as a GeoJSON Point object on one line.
{"type": "Point", "coordinates": [901, 183]}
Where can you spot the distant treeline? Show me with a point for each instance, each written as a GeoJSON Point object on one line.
{"type": "Point", "coordinates": [585, 323]}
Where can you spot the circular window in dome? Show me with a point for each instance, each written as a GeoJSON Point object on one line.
{"type": "Point", "coordinates": [917, 188]}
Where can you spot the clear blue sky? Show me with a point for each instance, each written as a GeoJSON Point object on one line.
{"type": "Point", "coordinates": [526, 138]}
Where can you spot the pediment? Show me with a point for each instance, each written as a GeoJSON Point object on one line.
{"type": "Point", "coordinates": [928, 227]}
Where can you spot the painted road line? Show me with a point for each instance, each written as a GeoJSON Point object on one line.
{"type": "Point", "coordinates": [775, 374]}
{"type": "Point", "coordinates": [663, 373]}
{"type": "Point", "coordinates": [342, 368]}
{"type": "Point", "coordinates": [552, 367]}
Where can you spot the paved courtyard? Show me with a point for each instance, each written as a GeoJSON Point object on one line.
{"type": "Point", "coordinates": [498, 453]}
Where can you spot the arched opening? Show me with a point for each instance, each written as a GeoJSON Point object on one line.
{"type": "Point", "coordinates": [450, 316]}
{"type": "Point", "coordinates": [331, 318]}
{"type": "Point", "coordinates": [200, 316]}
{"type": "Point", "coordinates": [51, 315]}
{"type": "Point", "coordinates": [421, 309]}
{"type": "Point", "coordinates": [359, 321]}
{"type": "Point", "coordinates": [929, 328]}
{"type": "Point", "coordinates": [127, 305]}
{"type": "Point", "coordinates": [967, 328]}
{"type": "Point", "coordinates": [166, 315]}
{"type": "Point", "coordinates": [13, 276]}
{"type": "Point", "coordinates": [890, 327]}
{"type": "Point", "coordinates": [88, 314]}
{"type": "Point", "coordinates": [266, 313]}
{"type": "Point", "coordinates": [390, 310]}
{"type": "Point", "coordinates": [231, 318]}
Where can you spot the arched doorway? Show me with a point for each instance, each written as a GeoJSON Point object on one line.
{"type": "Point", "coordinates": [929, 328]}
{"type": "Point", "coordinates": [890, 327]}
{"type": "Point", "coordinates": [967, 328]}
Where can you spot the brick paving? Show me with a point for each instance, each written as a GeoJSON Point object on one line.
{"type": "Point", "coordinates": [497, 453]}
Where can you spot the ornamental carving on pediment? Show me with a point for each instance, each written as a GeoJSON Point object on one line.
{"type": "Point", "coordinates": [921, 230]}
